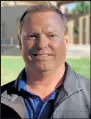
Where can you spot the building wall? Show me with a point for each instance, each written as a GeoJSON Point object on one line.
{"type": "Point", "coordinates": [70, 25]}
{"type": "Point", "coordinates": [84, 31]}
{"type": "Point", "coordinates": [82, 21]}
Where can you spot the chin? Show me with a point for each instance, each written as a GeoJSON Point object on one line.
{"type": "Point", "coordinates": [44, 67]}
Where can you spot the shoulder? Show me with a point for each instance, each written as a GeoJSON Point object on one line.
{"type": "Point", "coordinates": [76, 81]}
{"type": "Point", "coordinates": [83, 81]}
{"type": "Point", "coordinates": [13, 85]}
{"type": "Point", "coordinates": [7, 86]}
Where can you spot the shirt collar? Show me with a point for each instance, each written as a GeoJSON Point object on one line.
{"type": "Point", "coordinates": [22, 83]}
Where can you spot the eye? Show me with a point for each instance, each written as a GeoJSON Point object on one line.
{"type": "Point", "coordinates": [52, 36]}
{"type": "Point", "coordinates": [32, 37]}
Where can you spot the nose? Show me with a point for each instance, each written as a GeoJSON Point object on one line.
{"type": "Point", "coordinates": [42, 42]}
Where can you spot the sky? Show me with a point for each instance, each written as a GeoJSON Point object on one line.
{"type": "Point", "coordinates": [70, 6]}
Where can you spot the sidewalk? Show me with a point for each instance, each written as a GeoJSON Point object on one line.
{"type": "Point", "coordinates": [78, 51]}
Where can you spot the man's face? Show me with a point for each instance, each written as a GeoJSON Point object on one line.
{"type": "Point", "coordinates": [43, 42]}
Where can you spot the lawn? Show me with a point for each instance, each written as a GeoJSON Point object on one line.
{"type": "Point", "coordinates": [11, 66]}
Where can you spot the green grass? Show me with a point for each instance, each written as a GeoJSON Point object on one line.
{"type": "Point", "coordinates": [11, 66]}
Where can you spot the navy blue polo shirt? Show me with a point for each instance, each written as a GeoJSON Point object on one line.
{"type": "Point", "coordinates": [35, 107]}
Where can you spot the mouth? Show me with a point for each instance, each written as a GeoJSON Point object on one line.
{"type": "Point", "coordinates": [41, 57]}
{"type": "Point", "coordinates": [37, 54]}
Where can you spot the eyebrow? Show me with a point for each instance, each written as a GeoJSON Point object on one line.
{"type": "Point", "coordinates": [52, 32]}
{"type": "Point", "coordinates": [46, 32]}
{"type": "Point", "coordinates": [38, 34]}
{"type": "Point", "coordinates": [33, 33]}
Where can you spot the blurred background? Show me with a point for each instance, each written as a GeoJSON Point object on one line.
{"type": "Point", "coordinates": [78, 20]}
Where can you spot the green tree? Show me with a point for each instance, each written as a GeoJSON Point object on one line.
{"type": "Point", "coordinates": [82, 7]}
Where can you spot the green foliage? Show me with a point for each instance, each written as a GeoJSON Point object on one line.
{"type": "Point", "coordinates": [82, 7]}
{"type": "Point", "coordinates": [76, 30]}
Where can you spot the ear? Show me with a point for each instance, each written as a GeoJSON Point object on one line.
{"type": "Point", "coordinates": [20, 46]}
{"type": "Point", "coordinates": [19, 40]}
{"type": "Point", "coordinates": [66, 39]}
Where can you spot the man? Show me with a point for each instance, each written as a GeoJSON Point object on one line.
{"type": "Point", "coordinates": [47, 87]}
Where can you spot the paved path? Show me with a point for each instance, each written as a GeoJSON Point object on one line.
{"type": "Point", "coordinates": [78, 51]}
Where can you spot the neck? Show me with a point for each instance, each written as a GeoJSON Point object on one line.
{"type": "Point", "coordinates": [43, 84]}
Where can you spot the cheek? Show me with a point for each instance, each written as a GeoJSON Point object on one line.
{"type": "Point", "coordinates": [60, 50]}
{"type": "Point", "coordinates": [26, 48]}
{"type": "Point", "coordinates": [60, 45]}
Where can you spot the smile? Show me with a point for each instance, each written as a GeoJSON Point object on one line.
{"type": "Point", "coordinates": [42, 57]}
{"type": "Point", "coordinates": [40, 54]}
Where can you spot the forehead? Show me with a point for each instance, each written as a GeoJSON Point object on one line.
{"type": "Point", "coordinates": [44, 19]}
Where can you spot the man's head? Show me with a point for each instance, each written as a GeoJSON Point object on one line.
{"type": "Point", "coordinates": [43, 37]}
